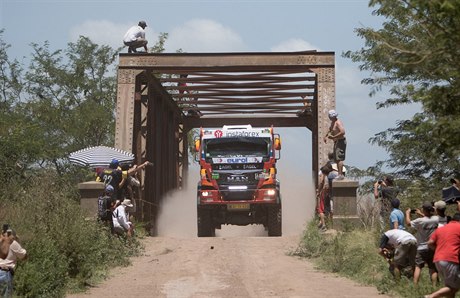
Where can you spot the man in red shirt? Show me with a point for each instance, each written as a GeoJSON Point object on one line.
{"type": "Point", "coordinates": [446, 242]}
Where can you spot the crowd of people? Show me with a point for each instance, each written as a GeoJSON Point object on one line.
{"type": "Point", "coordinates": [418, 238]}
{"type": "Point", "coordinates": [115, 204]}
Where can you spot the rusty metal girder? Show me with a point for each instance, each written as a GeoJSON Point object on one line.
{"type": "Point", "coordinates": [161, 97]}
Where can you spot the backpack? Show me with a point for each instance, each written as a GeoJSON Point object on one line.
{"type": "Point", "coordinates": [103, 208]}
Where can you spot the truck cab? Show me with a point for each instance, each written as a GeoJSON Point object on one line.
{"type": "Point", "coordinates": [238, 183]}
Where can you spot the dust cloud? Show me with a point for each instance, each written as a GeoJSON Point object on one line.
{"type": "Point", "coordinates": [177, 216]}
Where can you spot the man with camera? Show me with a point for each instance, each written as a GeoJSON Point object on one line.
{"type": "Point", "coordinates": [10, 251]}
{"type": "Point", "coordinates": [404, 245]}
{"type": "Point", "coordinates": [385, 192]}
{"type": "Point", "coordinates": [425, 227]}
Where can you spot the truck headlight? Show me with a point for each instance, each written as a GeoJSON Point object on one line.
{"type": "Point", "coordinates": [270, 192]}
{"type": "Point", "coordinates": [205, 193]}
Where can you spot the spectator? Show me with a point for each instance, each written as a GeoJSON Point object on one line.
{"type": "Point", "coordinates": [135, 38]}
{"type": "Point", "coordinates": [396, 216]}
{"type": "Point", "coordinates": [115, 176]}
{"type": "Point", "coordinates": [322, 194]}
{"type": "Point", "coordinates": [425, 226]}
{"type": "Point", "coordinates": [337, 134]}
{"type": "Point", "coordinates": [440, 208]}
{"type": "Point", "coordinates": [8, 262]}
{"type": "Point", "coordinates": [384, 192]}
{"type": "Point", "coordinates": [105, 205]}
{"type": "Point", "coordinates": [446, 243]}
{"type": "Point", "coordinates": [405, 249]}
{"type": "Point", "coordinates": [121, 223]}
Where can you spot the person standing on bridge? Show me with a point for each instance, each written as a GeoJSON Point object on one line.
{"type": "Point", "coordinates": [135, 38]}
{"type": "Point", "coordinates": [336, 133]}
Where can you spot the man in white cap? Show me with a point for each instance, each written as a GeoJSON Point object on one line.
{"type": "Point", "coordinates": [135, 38]}
{"type": "Point", "coordinates": [440, 208]}
{"type": "Point", "coordinates": [336, 133]}
{"type": "Point", "coordinates": [121, 223]}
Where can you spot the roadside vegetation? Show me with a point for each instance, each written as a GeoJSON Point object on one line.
{"type": "Point", "coordinates": [60, 102]}
{"type": "Point", "coordinates": [414, 55]}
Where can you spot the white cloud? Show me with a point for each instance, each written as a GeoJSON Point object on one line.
{"type": "Point", "coordinates": [201, 35]}
{"type": "Point", "coordinates": [107, 33]}
{"type": "Point", "coordinates": [294, 45]}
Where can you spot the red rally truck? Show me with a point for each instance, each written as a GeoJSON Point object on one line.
{"type": "Point", "coordinates": [238, 184]}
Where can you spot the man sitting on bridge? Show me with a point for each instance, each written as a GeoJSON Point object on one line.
{"type": "Point", "coordinates": [135, 38]}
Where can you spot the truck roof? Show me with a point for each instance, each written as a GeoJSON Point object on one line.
{"type": "Point", "coordinates": [229, 131]}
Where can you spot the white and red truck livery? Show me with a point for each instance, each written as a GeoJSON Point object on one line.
{"type": "Point", "coordinates": [238, 184]}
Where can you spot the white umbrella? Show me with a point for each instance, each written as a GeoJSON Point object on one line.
{"type": "Point", "coordinates": [99, 156]}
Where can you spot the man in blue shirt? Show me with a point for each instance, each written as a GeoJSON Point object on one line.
{"type": "Point", "coordinates": [396, 216]}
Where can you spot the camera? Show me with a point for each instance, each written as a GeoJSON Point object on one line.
{"type": "Point", "coordinates": [380, 181]}
{"type": "Point", "coordinates": [5, 228]}
{"type": "Point", "coordinates": [413, 211]}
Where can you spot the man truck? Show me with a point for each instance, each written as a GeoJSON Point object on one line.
{"type": "Point", "coordinates": [238, 184]}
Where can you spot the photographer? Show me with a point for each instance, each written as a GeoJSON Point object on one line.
{"type": "Point", "coordinates": [385, 192]}
{"type": "Point", "coordinates": [425, 226]}
{"type": "Point", "coordinates": [14, 250]}
{"type": "Point", "coordinates": [404, 245]}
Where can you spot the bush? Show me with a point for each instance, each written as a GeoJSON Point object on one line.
{"type": "Point", "coordinates": [65, 249]}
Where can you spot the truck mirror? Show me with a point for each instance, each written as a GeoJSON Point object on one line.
{"type": "Point", "coordinates": [197, 145]}
{"type": "Point", "coordinates": [277, 144]}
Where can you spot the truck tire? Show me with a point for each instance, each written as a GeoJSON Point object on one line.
{"type": "Point", "coordinates": [274, 221]}
{"type": "Point", "coordinates": [204, 222]}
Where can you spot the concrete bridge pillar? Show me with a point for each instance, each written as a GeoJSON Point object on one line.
{"type": "Point", "coordinates": [345, 204]}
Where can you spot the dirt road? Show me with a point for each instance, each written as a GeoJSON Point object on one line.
{"type": "Point", "coordinates": [239, 262]}
{"type": "Point", "coordinates": [224, 267]}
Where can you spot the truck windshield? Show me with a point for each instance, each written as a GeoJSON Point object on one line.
{"type": "Point", "coordinates": [227, 147]}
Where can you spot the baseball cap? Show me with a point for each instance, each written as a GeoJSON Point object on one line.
{"type": "Point", "coordinates": [333, 113]}
{"type": "Point", "coordinates": [114, 163]}
{"type": "Point", "coordinates": [427, 206]}
{"type": "Point", "coordinates": [440, 204]}
{"type": "Point", "coordinates": [109, 188]}
{"type": "Point", "coordinates": [142, 24]}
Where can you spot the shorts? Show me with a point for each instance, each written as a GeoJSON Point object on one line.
{"type": "Point", "coordinates": [320, 207]}
{"type": "Point", "coordinates": [423, 257]}
{"type": "Point", "coordinates": [340, 147]}
{"type": "Point", "coordinates": [405, 254]}
{"type": "Point", "coordinates": [449, 273]}
{"type": "Point", "coordinates": [325, 203]}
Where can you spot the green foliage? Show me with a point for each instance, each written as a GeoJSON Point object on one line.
{"type": "Point", "coordinates": [63, 101]}
{"type": "Point", "coordinates": [65, 249]}
{"type": "Point", "coordinates": [416, 54]}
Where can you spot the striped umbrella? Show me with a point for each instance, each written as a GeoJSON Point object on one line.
{"type": "Point", "coordinates": [99, 156]}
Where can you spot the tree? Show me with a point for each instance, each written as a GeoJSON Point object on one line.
{"type": "Point", "coordinates": [71, 97]}
{"type": "Point", "coordinates": [416, 55]}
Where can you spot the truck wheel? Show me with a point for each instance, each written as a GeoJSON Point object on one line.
{"type": "Point", "coordinates": [274, 221]}
{"type": "Point", "coordinates": [205, 226]}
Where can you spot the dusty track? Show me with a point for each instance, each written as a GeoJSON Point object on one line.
{"type": "Point", "coordinates": [239, 262]}
{"type": "Point", "coordinates": [224, 267]}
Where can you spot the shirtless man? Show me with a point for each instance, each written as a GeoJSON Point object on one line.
{"type": "Point", "coordinates": [337, 134]}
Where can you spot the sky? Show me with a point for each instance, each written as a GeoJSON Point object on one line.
{"type": "Point", "coordinates": [227, 26]}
